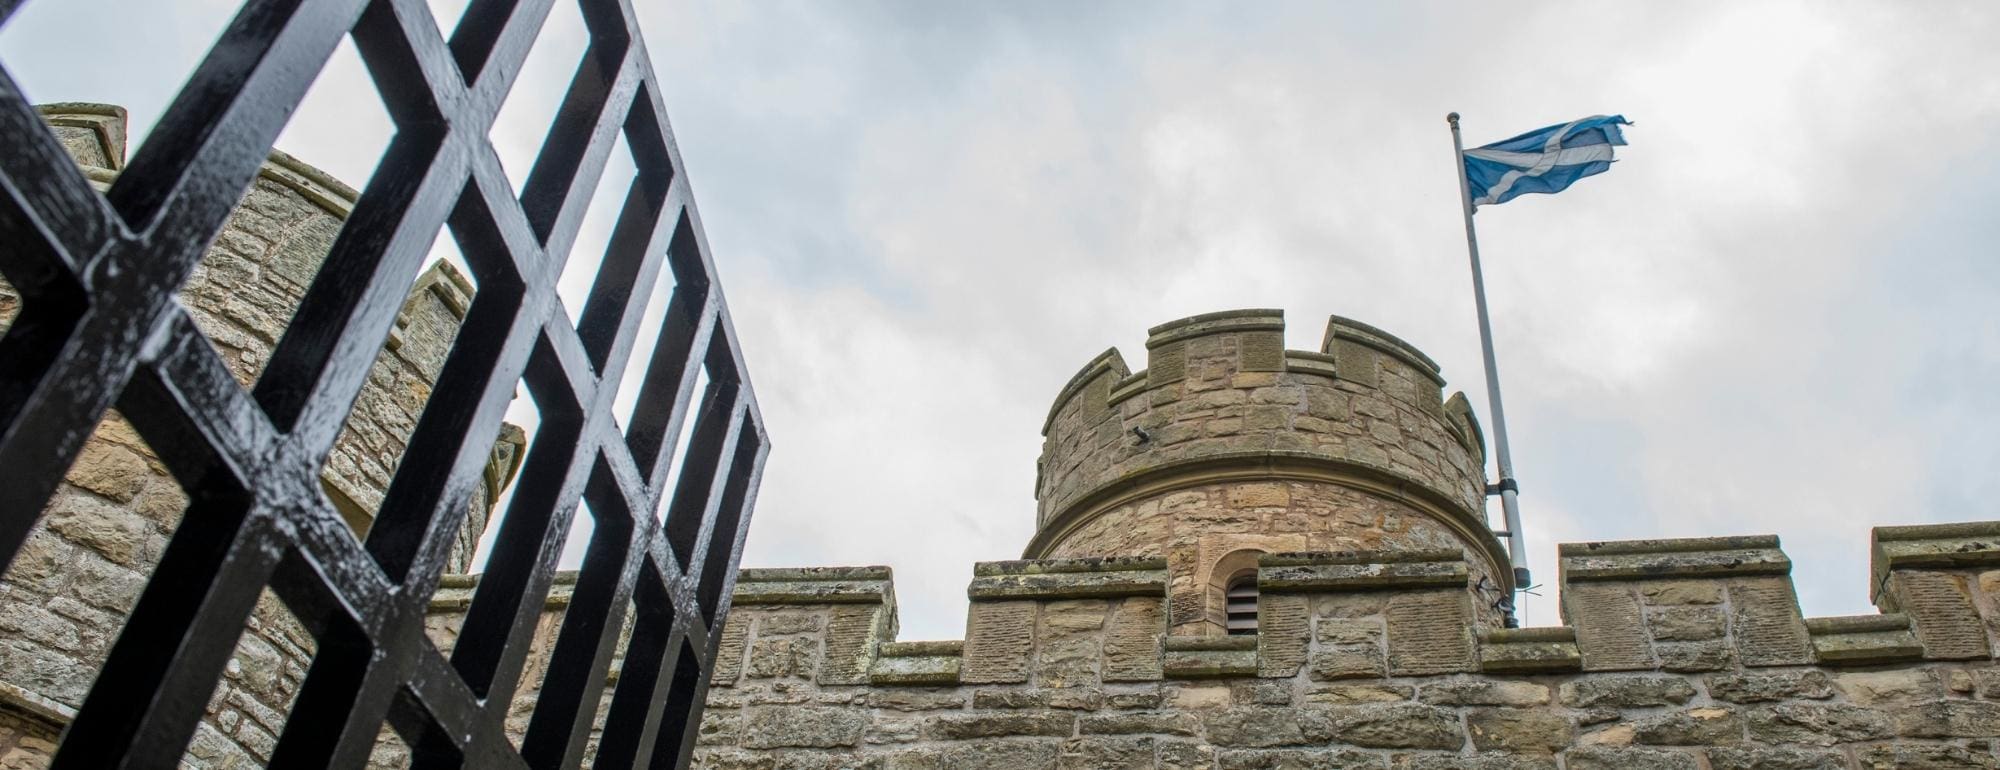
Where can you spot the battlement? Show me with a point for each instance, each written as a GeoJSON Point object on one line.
{"type": "Point", "coordinates": [1351, 447]}
{"type": "Point", "coordinates": [1673, 653]}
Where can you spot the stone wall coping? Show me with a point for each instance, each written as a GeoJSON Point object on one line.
{"type": "Point", "coordinates": [794, 574]}
{"type": "Point", "coordinates": [1057, 566]}
{"type": "Point", "coordinates": [1069, 585]}
{"type": "Point", "coordinates": [1529, 650]}
{"type": "Point", "coordinates": [106, 120]}
{"type": "Point", "coordinates": [815, 585]}
{"type": "Point", "coordinates": [1959, 544]}
{"type": "Point", "coordinates": [1343, 328]}
{"type": "Point", "coordinates": [1668, 545]}
{"type": "Point", "coordinates": [33, 704]}
{"type": "Point", "coordinates": [1237, 643]}
{"type": "Point", "coordinates": [1852, 624]}
{"type": "Point", "coordinates": [1528, 635]}
{"type": "Point", "coordinates": [1364, 576]}
{"type": "Point", "coordinates": [1220, 322]}
{"type": "Point", "coordinates": [1679, 558]}
{"type": "Point", "coordinates": [454, 592]}
{"type": "Point", "coordinates": [922, 649]}
{"type": "Point", "coordinates": [1864, 640]}
{"type": "Point", "coordinates": [1317, 558]}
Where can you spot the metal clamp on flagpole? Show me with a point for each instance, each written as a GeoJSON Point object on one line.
{"type": "Point", "coordinates": [1506, 488]}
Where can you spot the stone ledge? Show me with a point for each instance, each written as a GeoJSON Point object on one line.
{"type": "Point", "coordinates": [1961, 544]}
{"type": "Point", "coordinates": [917, 663]}
{"type": "Point", "coordinates": [1347, 329]}
{"type": "Point", "coordinates": [814, 585]}
{"type": "Point", "coordinates": [29, 703]}
{"type": "Point", "coordinates": [1864, 639]}
{"type": "Point", "coordinates": [1361, 571]}
{"type": "Point", "coordinates": [1529, 650]}
{"type": "Point", "coordinates": [1221, 322]}
{"type": "Point", "coordinates": [1673, 558]}
{"type": "Point", "coordinates": [1093, 578]}
{"type": "Point", "coordinates": [1207, 657]}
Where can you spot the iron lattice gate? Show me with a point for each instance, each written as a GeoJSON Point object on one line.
{"type": "Point", "coordinates": [101, 327]}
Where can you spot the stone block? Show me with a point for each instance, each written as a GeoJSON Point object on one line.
{"type": "Point", "coordinates": [1756, 687]}
{"type": "Point", "coordinates": [1519, 730]}
{"type": "Point", "coordinates": [1939, 605]}
{"type": "Point", "coordinates": [1610, 634]}
{"type": "Point", "coordinates": [1700, 726]}
{"type": "Point", "coordinates": [1000, 725]}
{"type": "Point", "coordinates": [1766, 623]}
{"type": "Point", "coordinates": [1254, 726]}
{"type": "Point", "coordinates": [1622, 692]}
{"type": "Point", "coordinates": [852, 633]}
{"type": "Point", "coordinates": [1430, 632]}
{"type": "Point", "coordinates": [1599, 758]}
{"type": "Point", "coordinates": [1397, 726]}
{"type": "Point", "coordinates": [1733, 758]}
{"type": "Point", "coordinates": [795, 726]}
{"type": "Point", "coordinates": [1132, 642]}
{"type": "Point", "coordinates": [1069, 579]}
{"type": "Point", "coordinates": [917, 663]}
{"type": "Point", "coordinates": [1818, 724]}
{"type": "Point", "coordinates": [1283, 634]}
{"type": "Point", "coordinates": [1485, 692]}
{"type": "Point", "coordinates": [1202, 657]}
{"type": "Point", "coordinates": [1863, 639]}
{"type": "Point", "coordinates": [999, 642]}
{"type": "Point", "coordinates": [1529, 650]}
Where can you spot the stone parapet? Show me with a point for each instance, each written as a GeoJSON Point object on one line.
{"type": "Point", "coordinates": [1698, 604]}
{"type": "Point", "coordinates": [1361, 659]}
{"type": "Point", "coordinates": [1227, 446]}
{"type": "Point", "coordinates": [1946, 578]}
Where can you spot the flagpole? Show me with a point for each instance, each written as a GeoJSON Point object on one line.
{"type": "Point", "coordinates": [1507, 488]}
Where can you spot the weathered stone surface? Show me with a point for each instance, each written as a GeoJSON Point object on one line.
{"type": "Point", "coordinates": [1757, 687]}
{"type": "Point", "coordinates": [1430, 632]}
{"type": "Point", "coordinates": [1481, 762]}
{"type": "Point", "coordinates": [1609, 631]}
{"type": "Point", "coordinates": [1949, 719]}
{"type": "Point", "coordinates": [1908, 757]}
{"type": "Point", "coordinates": [1685, 623]}
{"type": "Point", "coordinates": [1001, 755]}
{"type": "Point", "coordinates": [1870, 688]}
{"type": "Point", "coordinates": [1627, 691]}
{"type": "Point", "coordinates": [1132, 645]}
{"type": "Point", "coordinates": [1297, 759]}
{"type": "Point", "coordinates": [1519, 730]}
{"type": "Point", "coordinates": [822, 727]}
{"type": "Point", "coordinates": [1157, 723]}
{"type": "Point", "coordinates": [1283, 634]}
{"type": "Point", "coordinates": [999, 642]}
{"type": "Point", "coordinates": [963, 726]}
{"type": "Point", "coordinates": [1598, 758]}
{"type": "Point", "coordinates": [1769, 630]}
{"type": "Point", "coordinates": [1940, 606]}
{"type": "Point", "coordinates": [1352, 694]}
{"type": "Point", "coordinates": [852, 632]}
{"type": "Point", "coordinates": [1485, 692]}
{"type": "Point", "coordinates": [1818, 724]}
{"type": "Point", "coordinates": [1254, 726]}
{"type": "Point", "coordinates": [1730, 758]}
{"type": "Point", "coordinates": [1701, 726]}
{"type": "Point", "coordinates": [1398, 726]}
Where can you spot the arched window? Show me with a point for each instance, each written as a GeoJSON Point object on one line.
{"type": "Point", "coordinates": [1240, 603]}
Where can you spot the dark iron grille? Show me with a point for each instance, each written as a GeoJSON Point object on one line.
{"type": "Point", "coordinates": [100, 326]}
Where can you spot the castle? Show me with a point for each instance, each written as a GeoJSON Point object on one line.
{"type": "Point", "coordinates": [1246, 557]}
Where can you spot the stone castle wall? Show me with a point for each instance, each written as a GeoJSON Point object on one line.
{"type": "Point", "coordinates": [65, 597]}
{"type": "Point", "coordinates": [1675, 655]}
{"type": "Point", "coordinates": [1227, 446]}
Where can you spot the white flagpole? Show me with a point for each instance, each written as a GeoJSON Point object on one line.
{"type": "Point", "coordinates": [1507, 488]}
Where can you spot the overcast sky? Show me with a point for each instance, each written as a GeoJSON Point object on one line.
{"type": "Point", "coordinates": [1775, 314]}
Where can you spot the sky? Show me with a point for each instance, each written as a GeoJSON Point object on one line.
{"type": "Point", "coordinates": [1773, 315]}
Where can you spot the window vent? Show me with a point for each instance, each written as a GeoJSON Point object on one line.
{"type": "Point", "coordinates": [1240, 603]}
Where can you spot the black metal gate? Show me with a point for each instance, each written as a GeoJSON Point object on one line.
{"type": "Point", "coordinates": [100, 327]}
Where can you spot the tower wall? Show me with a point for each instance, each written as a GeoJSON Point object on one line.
{"type": "Point", "coordinates": [1227, 446]}
{"type": "Point", "coordinates": [64, 599]}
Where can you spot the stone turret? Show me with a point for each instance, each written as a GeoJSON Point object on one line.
{"type": "Point", "coordinates": [1227, 447]}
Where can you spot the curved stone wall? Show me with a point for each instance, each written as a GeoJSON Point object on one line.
{"type": "Point", "coordinates": [1227, 441]}
{"type": "Point", "coordinates": [64, 599]}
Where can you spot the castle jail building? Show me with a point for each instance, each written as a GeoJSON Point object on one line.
{"type": "Point", "coordinates": [1247, 557]}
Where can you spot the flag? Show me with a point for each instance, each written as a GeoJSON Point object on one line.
{"type": "Point", "coordinates": [1546, 160]}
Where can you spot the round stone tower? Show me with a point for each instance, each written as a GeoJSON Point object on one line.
{"type": "Point", "coordinates": [1227, 447]}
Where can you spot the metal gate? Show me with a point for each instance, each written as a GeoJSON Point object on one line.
{"type": "Point", "coordinates": [100, 327]}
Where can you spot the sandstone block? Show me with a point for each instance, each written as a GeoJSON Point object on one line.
{"type": "Point", "coordinates": [1401, 726]}
{"type": "Point", "coordinates": [1816, 724]}
{"type": "Point", "coordinates": [1519, 730]}
{"type": "Point", "coordinates": [1703, 726]}
{"type": "Point", "coordinates": [1485, 692]}
{"type": "Point", "coordinates": [1155, 723]}
{"type": "Point", "coordinates": [999, 638]}
{"type": "Point", "coordinates": [1949, 719]}
{"type": "Point", "coordinates": [1764, 688]}
{"type": "Point", "coordinates": [1626, 691]}
{"type": "Point", "coordinates": [1001, 755]}
{"type": "Point", "coordinates": [964, 726]}
{"type": "Point", "coordinates": [1596, 758]}
{"type": "Point", "coordinates": [1727, 758]}
{"type": "Point", "coordinates": [1254, 726]}
{"type": "Point", "coordinates": [790, 726]}
{"type": "Point", "coordinates": [1895, 686]}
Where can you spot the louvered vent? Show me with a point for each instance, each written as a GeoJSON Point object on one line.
{"type": "Point", "coordinates": [1241, 603]}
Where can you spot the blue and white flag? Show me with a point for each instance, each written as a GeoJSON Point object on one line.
{"type": "Point", "coordinates": [1546, 160]}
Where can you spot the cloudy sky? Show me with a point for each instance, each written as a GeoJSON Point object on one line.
{"type": "Point", "coordinates": [1776, 314]}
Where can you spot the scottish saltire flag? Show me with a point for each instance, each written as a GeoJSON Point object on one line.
{"type": "Point", "coordinates": [1546, 160]}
